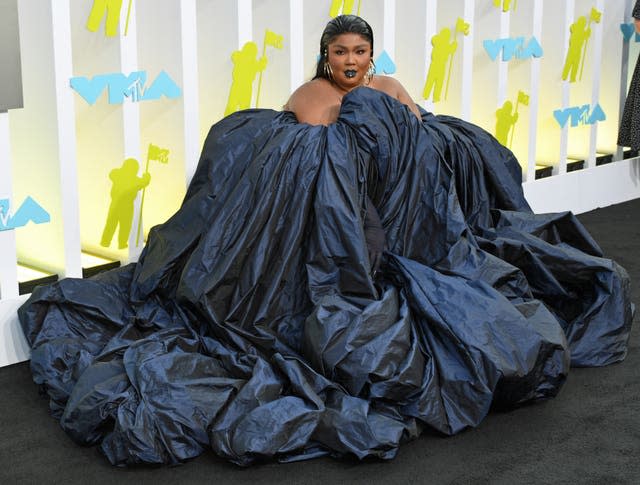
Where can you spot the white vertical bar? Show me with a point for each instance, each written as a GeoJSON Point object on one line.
{"type": "Point", "coordinates": [624, 74]}
{"type": "Point", "coordinates": [566, 88]}
{"type": "Point", "coordinates": [430, 30]}
{"type": "Point", "coordinates": [131, 116]}
{"type": "Point", "coordinates": [8, 266]}
{"type": "Point", "coordinates": [467, 61]}
{"type": "Point", "coordinates": [129, 64]}
{"type": "Point", "coordinates": [296, 44]}
{"type": "Point", "coordinates": [66, 131]}
{"type": "Point", "coordinates": [189, 45]}
{"type": "Point", "coordinates": [534, 95]}
{"type": "Point", "coordinates": [245, 22]}
{"type": "Point", "coordinates": [503, 66]}
{"type": "Point", "coordinates": [389, 27]}
{"type": "Point", "coordinates": [595, 94]}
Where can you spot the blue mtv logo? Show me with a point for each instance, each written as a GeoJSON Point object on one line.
{"type": "Point", "coordinates": [120, 86]}
{"type": "Point", "coordinates": [579, 115]}
{"type": "Point", "coordinates": [510, 48]}
{"type": "Point", "coordinates": [30, 210]}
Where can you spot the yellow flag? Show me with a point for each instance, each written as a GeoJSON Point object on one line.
{"type": "Point", "coordinates": [157, 153]}
{"type": "Point", "coordinates": [595, 15]}
{"type": "Point", "coordinates": [273, 39]}
{"type": "Point", "coordinates": [523, 98]}
{"type": "Point", "coordinates": [462, 26]}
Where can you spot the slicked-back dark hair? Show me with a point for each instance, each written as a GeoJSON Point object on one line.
{"type": "Point", "coordinates": [342, 24]}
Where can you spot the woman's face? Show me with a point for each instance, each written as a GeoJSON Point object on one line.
{"type": "Point", "coordinates": [349, 58]}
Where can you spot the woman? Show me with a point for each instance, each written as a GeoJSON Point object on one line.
{"type": "Point", "coordinates": [629, 133]}
{"type": "Point", "coordinates": [345, 63]}
{"type": "Point", "coordinates": [252, 324]}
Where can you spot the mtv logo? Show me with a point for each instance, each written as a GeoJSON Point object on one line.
{"type": "Point", "coordinates": [120, 86]}
{"type": "Point", "coordinates": [30, 210]}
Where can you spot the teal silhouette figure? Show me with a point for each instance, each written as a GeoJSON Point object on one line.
{"type": "Point", "coordinates": [124, 189]}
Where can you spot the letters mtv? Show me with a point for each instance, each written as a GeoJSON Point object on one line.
{"type": "Point", "coordinates": [579, 115]}
{"type": "Point", "coordinates": [511, 48]}
{"type": "Point", "coordinates": [120, 86]}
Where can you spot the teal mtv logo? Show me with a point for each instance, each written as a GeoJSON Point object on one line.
{"type": "Point", "coordinates": [120, 86]}
{"type": "Point", "coordinates": [510, 48]}
{"type": "Point", "coordinates": [580, 115]}
{"type": "Point", "coordinates": [30, 210]}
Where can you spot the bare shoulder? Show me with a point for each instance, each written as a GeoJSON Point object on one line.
{"type": "Point", "coordinates": [315, 102]}
{"type": "Point", "coordinates": [387, 84]}
{"type": "Point", "coordinates": [395, 89]}
{"type": "Point", "coordinates": [307, 92]}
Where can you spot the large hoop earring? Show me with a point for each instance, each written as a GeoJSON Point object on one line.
{"type": "Point", "coordinates": [370, 72]}
{"type": "Point", "coordinates": [328, 72]}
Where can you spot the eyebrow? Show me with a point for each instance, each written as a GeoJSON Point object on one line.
{"type": "Point", "coordinates": [355, 47]}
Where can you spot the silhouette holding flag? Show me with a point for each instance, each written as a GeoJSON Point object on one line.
{"type": "Point", "coordinates": [580, 31]}
{"type": "Point", "coordinates": [506, 120]}
{"type": "Point", "coordinates": [246, 66]}
{"type": "Point", "coordinates": [442, 55]}
{"type": "Point", "coordinates": [124, 189]}
{"type": "Point", "coordinates": [594, 16]}
{"type": "Point", "coordinates": [270, 39]}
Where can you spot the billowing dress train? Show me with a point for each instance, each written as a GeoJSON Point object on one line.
{"type": "Point", "coordinates": [251, 325]}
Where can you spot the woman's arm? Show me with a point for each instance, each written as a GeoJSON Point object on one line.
{"type": "Point", "coordinates": [637, 22]}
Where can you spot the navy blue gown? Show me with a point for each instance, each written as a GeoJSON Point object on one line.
{"type": "Point", "coordinates": [251, 325]}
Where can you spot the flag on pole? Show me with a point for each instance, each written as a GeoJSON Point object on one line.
{"type": "Point", "coordinates": [153, 153]}
{"type": "Point", "coordinates": [462, 26]}
{"type": "Point", "coordinates": [157, 153]}
{"type": "Point", "coordinates": [272, 39]}
{"type": "Point", "coordinates": [523, 98]}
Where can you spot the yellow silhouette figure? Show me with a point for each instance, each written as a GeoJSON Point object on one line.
{"type": "Point", "coordinates": [124, 189]}
{"type": "Point", "coordinates": [112, 10]}
{"type": "Point", "coordinates": [344, 6]}
{"type": "Point", "coordinates": [505, 122]}
{"type": "Point", "coordinates": [246, 66]}
{"type": "Point", "coordinates": [442, 49]}
{"type": "Point", "coordinates": [580, 33]}
{"type": "Point", "coordinates": [506, 4]}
